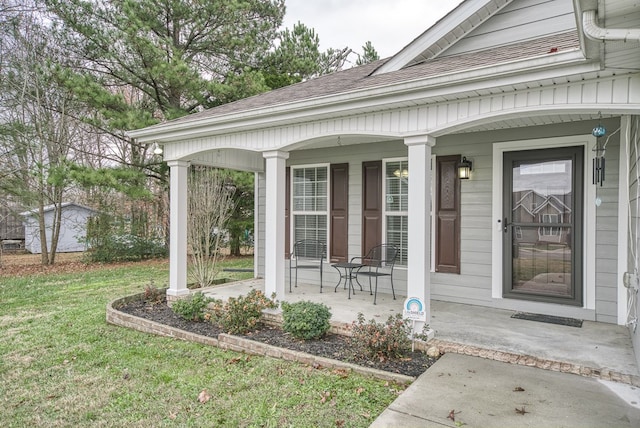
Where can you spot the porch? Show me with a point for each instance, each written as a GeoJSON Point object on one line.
{"type": "Point", "coordinates": [474, 329]}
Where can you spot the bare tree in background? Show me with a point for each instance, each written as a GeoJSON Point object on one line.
{"type": "Point", "coordinates": [209, 208]}
{"type": "Point", "coordinates": [37, 133]}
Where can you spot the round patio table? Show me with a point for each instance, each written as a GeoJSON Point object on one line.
{"type": "Point", "coordinates": [347, 274]}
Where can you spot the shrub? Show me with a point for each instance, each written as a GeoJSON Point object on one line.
{"type": "Point", "coordinates": [381, 340]}
{"type": "Point", "coordinates": [306, 320]}
{"type": "Point", "coordinates": [192, 308]}
{"type": "Point", "coordinates": [242, 314]}
{"type": "Point", "coordinates": [153, 295]}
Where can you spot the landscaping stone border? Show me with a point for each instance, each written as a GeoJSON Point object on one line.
{"type": "Point", "coordinates": [240, 344]}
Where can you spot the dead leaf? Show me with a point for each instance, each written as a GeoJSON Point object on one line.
{"type": "Point", "coordinates": [316, 366]}
{"type": "Point", "coordinates": [234, 360]}
{"type": "Point", "coordinates": [521, 411]}
{"type": "Point", "coordinates": [324, 395]}
{"type": "Point", "coordinates": [340, 423]}
{"type": "Point", "coordinates": [204, 396]}
{"type": "Point", "coordinates": [359, 390]}
{"type": "Point", "coordinates": [365, 415]}
{"type": "Point", "coordinates": [343, 373]}
{"type": "Point", "coordinates": [173, 416]}
{"type": "Point", "coordinates": [518, 389]}
{"type": "Point", "coordinates": [452, 415]}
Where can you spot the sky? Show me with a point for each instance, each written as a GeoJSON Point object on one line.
{"type": "Point", "coordinates": [390, 25]}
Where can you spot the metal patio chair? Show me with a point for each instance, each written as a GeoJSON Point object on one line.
{"type": "Point", "coordinates": [307, 254]}
{"type": "Point", "coordinates": [379, 261]}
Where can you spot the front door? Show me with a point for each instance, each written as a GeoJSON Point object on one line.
{"type": "Point", "coordinates": [542, 225]}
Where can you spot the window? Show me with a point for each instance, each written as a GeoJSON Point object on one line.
{"type": "Point", "coordinates": [309, 203]}
{"type": "Point", "coordinates": [396, 205]}
{"type": "Point", "coordinates": [550, 231]}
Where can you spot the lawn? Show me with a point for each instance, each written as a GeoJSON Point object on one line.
{"type": "Point", "coordinates": [63, 365]}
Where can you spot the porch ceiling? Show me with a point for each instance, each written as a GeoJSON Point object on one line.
{"type": "Point", "coordinates": [531, 120]}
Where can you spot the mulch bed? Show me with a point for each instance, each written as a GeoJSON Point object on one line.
{"type": "Point", "coordinates": [332, 346]}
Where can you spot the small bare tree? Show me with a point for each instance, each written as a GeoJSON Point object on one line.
{"type": "Point", "coordinates": [210, 206]}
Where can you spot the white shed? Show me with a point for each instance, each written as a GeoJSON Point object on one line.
{"type": "Point", "coordinates": [73, 228]}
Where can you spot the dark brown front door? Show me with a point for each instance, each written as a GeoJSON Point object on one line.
{"type": "Point", "coordinates": [542, 224]}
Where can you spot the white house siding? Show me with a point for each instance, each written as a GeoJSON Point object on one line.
{"type": "Point", "coordinates": [514, 23]}
{"type": "Point", "coordinates": [474, 284]}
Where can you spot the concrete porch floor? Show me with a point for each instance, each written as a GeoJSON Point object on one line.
{"type": "Point", "coordinates": [594, 345]}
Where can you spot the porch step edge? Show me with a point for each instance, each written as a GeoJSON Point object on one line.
{"type": "Point", "coordinates": [531, 361]}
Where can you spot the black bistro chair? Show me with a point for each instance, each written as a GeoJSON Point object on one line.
{"type": "Point", "coordinates": [307, 254]}
{"type": "Point", "coordinates": [378, 262]}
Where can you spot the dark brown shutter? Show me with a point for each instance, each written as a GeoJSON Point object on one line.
{"type": "Point", "coordinates": [339, 212]}
{"type": "Point", "coordinates": [287, 214]}
{"type": "Point", "coordinates": [448, 215]}
{"type": "Point", "coordinates": [371, 205]}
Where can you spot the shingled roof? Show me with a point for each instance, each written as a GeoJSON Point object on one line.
{"type": "Point", "coordinates": [361, 78]}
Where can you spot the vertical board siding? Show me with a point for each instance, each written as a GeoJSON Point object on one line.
{"type": "Point", "coordinates": [607, 241]}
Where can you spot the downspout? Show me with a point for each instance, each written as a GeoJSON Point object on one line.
{"type": "Point", "coordinates": [597, 33]}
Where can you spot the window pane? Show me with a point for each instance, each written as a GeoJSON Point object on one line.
{"type": "Point", "coordinates": [397, 235]}
{"type": "Point", "coordinates": [310, 227]}
{"type": "Point", "coordinates": [310, 195]}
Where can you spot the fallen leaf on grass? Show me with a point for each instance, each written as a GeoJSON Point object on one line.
{"type": "Point", "coordinates": [324, 395]}
{"type": "Point", "coordinates": [343, 373]}
{"type": "Point", "coordinates": [204, 396]}
{"type": "Point", "coordinates": [173, 416]}
{"type": "Point", "coordinates": [365, 415]}
{"type": "Point", "coordinates": [340, 423]}
{"type": "Point", "coordinates": [518, 389]}
{"type": "Point", "coordinates": [521, 411]}
{"type": "Point", "coordinates": [234, 360]}
{"type": "Point", "coordinates": [359, 390]}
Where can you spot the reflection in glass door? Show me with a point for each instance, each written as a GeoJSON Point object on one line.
{"type": "Point", "coordinates": [542, 225]}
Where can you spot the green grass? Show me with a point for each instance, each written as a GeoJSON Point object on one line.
{"type": "Point", "coordinates": [61, 365]}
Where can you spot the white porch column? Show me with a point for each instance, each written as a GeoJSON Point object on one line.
{"type": "Point", "coordinates": [274, 232]}
{"type": "Point", "coordinates": [178, 230]}
{"type": "Point", "coordinates": [419, 222]}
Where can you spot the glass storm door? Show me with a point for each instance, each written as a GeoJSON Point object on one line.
{"type": "Point", "coordinates": [542, 225]}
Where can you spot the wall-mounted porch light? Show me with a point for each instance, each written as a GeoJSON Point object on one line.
{"type": "Point", "coordinates": [464, 169]}
{"type": "Point", "coordinates": [157, 150]}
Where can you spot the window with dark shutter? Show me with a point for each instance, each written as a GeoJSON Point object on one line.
{"type": "Point", "coordinates": [447, 215]}
{"type": "Point", "coordinates": [339, 222]}
{"type": "Point", "coordinates": [371, 205]}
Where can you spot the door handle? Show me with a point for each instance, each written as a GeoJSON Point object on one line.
{"type": "Point", "coordinates": [505, 225]}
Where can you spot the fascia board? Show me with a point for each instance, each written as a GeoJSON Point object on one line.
{"type": "Point", "coordinates": [454, 84]}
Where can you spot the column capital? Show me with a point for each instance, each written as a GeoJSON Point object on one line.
{"type": "Point", "coordinates": [275, 154]}
{"type": "Point", "coordinates": [416, 140]}
{"type": "Point", "coordinates": [178, 163]}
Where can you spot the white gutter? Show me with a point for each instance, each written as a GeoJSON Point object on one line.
{"type": "Point", "coordinates": [595, 32]}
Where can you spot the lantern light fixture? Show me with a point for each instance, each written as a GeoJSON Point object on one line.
{"type": "Point", "coordinates": [464, 168]}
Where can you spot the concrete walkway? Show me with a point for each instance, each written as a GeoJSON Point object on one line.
{"type": "Point", "coordinates": [485, 393]}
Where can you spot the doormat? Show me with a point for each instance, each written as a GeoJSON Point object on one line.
{"type": "Point", "coordinates": [571, 322]}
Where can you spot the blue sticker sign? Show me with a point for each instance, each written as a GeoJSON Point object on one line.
{"type": "Point", "coordinates": [414, 309]}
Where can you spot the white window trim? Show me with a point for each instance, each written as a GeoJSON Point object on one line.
{"type": "Point", "coordinates": [589, 214]}
{"type": "Point", "coordinates": [292, 227]}
{"type": "Point", "coordinates": [384, 201]}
